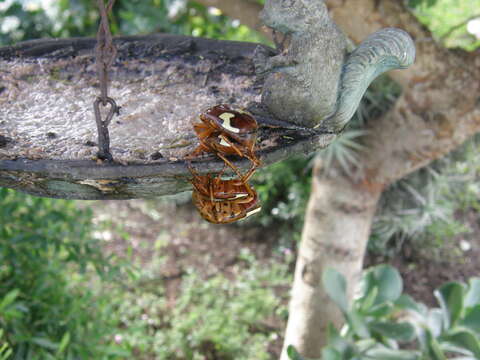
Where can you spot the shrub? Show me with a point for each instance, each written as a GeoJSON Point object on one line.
{"type": "Point", "coordinates": [46, 312]}
{"type": "Point", "coordinates": [213, 318]}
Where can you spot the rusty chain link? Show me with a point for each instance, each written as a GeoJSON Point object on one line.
{"type": "Point", "coordinates": [105, 53]}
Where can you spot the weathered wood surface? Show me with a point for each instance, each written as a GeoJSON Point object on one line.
{"type": "Point", "coordinates": [162, 82]}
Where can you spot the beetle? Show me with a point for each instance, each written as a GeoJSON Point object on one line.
{"type": "Point", "coordinates": [222, 211]}
{"type": "Point", "coordinates": [227, 131]}
{"type": "Point", "coordinates": [217, 188]}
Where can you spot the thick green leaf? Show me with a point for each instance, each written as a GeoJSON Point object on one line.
{"type": "Point", "coordinates": [398, 331]}
{"type": "Point", "coordinates": [433, 348]}
{"type": "Point", "coordinates": [293, 353]}
{"type": "Point", "coordinates": [366, 302]}
{"type": "Point", "coordinates": [472, 297]}
{"type": "Point", "coordinates": [364, 345]}
{"type": "Point", "coordinates": [336, 341]}
{"type": "Point", "coordinates": [408, 303]}
{"type": "Point", "coordinates": [336, 287]}
{"type": "Point", "coordinates": [435, 321]}
{"type": "Point", "coordinates": [471, 319]}
{"type": "Point", "coordinates": [329, 353]}
{"type": "Point", "coordinates": [383, 353]}
{"type": "Point", "coordinates": [464, 339]}
{"type": "Point", "coordinates": [358, 324]}
{"type": "Point", "coordinates": [380, 311]}
{"type": "Point", "coordinates": [389, 283]}
{"type": "Point", "coordinates": [450, 298]}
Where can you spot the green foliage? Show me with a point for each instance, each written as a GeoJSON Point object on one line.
{"type": "Point", "coordinates": [45, 310]}
{"type": "Point", "coordinates": [69, 18]}
{"type": "Point", "coordinates": [454, 327]}
{"type": "Point", "coordinates": [5, 350]}
{"type": "Point", "coordinates": [284, 189]}
{"type": "Point", "coordinates": [447, 19]}
{"type": "Point", "coordinates": [421, 206]}
{"type": "Point", "coordinates": [381, 319]}
{"type": "Point", "coordinates": [212, 318]}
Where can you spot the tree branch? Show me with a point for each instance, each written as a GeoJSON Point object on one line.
{"type": "Point", "coordinates": [439, 108]}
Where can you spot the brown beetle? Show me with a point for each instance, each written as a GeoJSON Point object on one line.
{"type": "Point", "coordinates": [217, 188]}
{"type": "Point", "coordinates": [227, 131]}
{"type": "Point", "coordinates": [222, 211]}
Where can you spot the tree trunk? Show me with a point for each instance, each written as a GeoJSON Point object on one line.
{"type": "Point", "coordinates": [335, 234]}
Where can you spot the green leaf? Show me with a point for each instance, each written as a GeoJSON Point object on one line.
{"type": "Point", "coordinates": [358, 324]}
{"type": "Point", "coordinates": [471, 320]}
{"type": "Point", "coordinates": [465, 339]}
{"type": "Point", "coordinates": [336, 287]}
{"type": "Point", "coordinates": [408, 303]}
{"type": "Point", "coordinates": [114, 350]}
{"type": "Point", "coordinates": [450, 298]}
{"type": "Point", "coordinates": [380, 311]}
{"type": "Point", "coordinates": [389, 283]}
{"type": "Point", "coordinates": [383, 353]}
{"type": "Point", "coordinates": [433, 348]}
{"type": "Point", "coordinates": [45, 343]}
{"type": "Point", "coordinates": [329, 353]}
{"type": "Point", "coordinates": [367, 301]}
{"type": "Point", "coordinates": [435, 320]}
{"type": "Point", "coordinates": [293, 353]}
{"type": "Point", "coordinates": [63, 344]}
{"type": "Point", "coordinates": [9, 298]}
{"type": "Point", "coordinates": [397, 331]}
{"type": "Point", "coordinates": [472, 297]}
{"type": "Point", "coordinates": [336, 341]}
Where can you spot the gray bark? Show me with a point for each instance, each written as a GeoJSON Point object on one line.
{"type": "Point", "coordinates": [335, 235]}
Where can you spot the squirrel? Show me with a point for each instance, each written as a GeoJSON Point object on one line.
{"type": "Point", "coordinates": [314, 82]}
{"type": "Point", "coordinates": [310, 60]}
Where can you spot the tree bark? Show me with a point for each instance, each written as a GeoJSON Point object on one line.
{"type": "Point", "coordinates": [438, 110]}
{"type": "Point", "coordinates": [335, 235]}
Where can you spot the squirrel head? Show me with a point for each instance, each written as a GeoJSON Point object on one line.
{"type": "Point", "coordinates": [290, 16]}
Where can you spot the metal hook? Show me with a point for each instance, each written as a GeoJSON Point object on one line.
{"type": "Point", "coordinates": [102, 126]}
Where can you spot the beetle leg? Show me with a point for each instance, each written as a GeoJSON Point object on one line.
{"type": "Point", "coordinates": [231, 144]}
{"type": "Point", "coordinates": [233, 167]}
{"type": "Point", "coordinates": [199, 150]}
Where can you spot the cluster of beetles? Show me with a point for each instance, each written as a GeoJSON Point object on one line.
{"type": "Point", "coordinates": [225, 131]}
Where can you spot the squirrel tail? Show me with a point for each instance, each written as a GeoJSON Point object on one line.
{"type": "Point", "coordinates": [384, 50]}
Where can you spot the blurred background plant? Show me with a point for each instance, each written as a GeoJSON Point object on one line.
{"type": "Point", "coordinates": [213, 318]}
{"type": "Point", "coordinates": [46, 311]}
{"type": "Point", "coordinates": [60, 298]}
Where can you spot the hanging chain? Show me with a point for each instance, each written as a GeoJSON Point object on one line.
{"type": "Point", "coordinates": [105, 53]}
